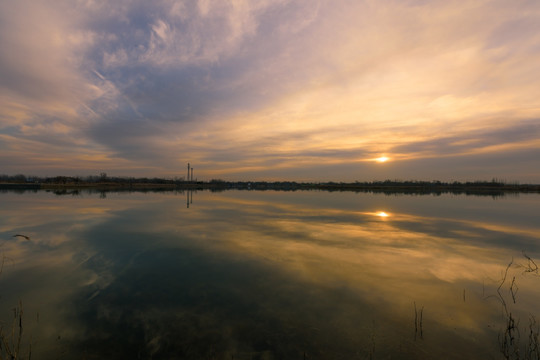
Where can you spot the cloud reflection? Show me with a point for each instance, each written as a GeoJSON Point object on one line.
{"type": "Point", "coordinates": [238, 267]}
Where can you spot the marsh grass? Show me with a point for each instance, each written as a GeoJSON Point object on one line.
{"type": "Point", "coordinates": [418, 322]}
{"type": "Point", "coordinates": [511, 344]}
{"type": "Point", "coordinates": [10, 340]}
{"type": "Point", "coordinates": [12, 336]}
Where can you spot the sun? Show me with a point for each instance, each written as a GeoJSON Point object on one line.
{"type": "Point", "coordinates": [382, 159]}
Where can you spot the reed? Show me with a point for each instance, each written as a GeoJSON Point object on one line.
{"type": "Point", "coordinates": [418, 322]}
{"type": "Point", "coordinates": [11, 338]}
{"type": "Point", "coordinates": [510, 341]}
{"type": "Point", "coordinates": [10, 341]}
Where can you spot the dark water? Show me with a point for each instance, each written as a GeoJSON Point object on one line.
{"type": "Point", "coordinates": [270, 275]}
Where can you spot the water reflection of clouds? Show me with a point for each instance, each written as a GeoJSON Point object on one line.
{"type": "Point", "coordinates": [147, 247]}
{"type": "Point", "coordinates": [408, 256]}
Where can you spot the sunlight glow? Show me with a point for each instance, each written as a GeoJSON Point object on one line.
{"type": "Point", "coordinates": [381, 214]}
{"type": "Point", "coordinates": [382, 159]}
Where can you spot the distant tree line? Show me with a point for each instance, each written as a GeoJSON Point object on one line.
{"type": "Point", "coordinates": [102, 178]}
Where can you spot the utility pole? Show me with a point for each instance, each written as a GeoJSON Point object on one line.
{"type": "Point", "coordinates": [187, 172]}
{"type": "Point", "coordinates": [191, 174]}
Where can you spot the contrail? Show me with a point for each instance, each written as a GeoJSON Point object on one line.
{"type": "Point", "coordinates": [126, 99]}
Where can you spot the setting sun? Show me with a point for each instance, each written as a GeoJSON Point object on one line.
{"type": "Point", "coordinates": [382, 159]}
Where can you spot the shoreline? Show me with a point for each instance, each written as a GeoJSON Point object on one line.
{"type": "Point", "coordinates": [387, 186]}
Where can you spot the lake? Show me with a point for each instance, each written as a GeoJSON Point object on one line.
{"type": "Point", "coordinates": [269, 275]}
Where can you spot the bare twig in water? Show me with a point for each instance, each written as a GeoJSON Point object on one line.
{"type": "Point", "coordinates": [505, 274]}
{"type": "Point", "coordinates": [531, 265]}
{"type": "Point", "coordinates": [509, 337]}
{"type": "Point", "coordinates": [533, 348]}
{"type": "Point", "coordinates": [415, 320]}
{"type": "Point", "coordinates": [372, 349]}
{"type": "Point", "coordinates": [23, 236]}
{"type": "Point", "coordinates": [509, 340]}
{"type": "Point", "coordinates": [2, 266]}
{"type": "Point", "coordinates": [501, 298]}
{"type": "Point", "coordinates": [418, 319]}
{"type": "Point", "coordinates": [10, 340]}
{"type": "Point", "coordinates": [514, 289]}
{"type": "Point", "coordinates": [421, 323]}
{"type": "Point", "coordinates": [10, 344]}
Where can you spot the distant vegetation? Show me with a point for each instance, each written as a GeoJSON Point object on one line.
{"type": "Point", "coordinates": [104, 182]}
{"type": "Point", "coordinates": [84, 180]}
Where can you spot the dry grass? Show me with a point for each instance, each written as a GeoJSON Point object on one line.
{"type": "Point", "coordinates": [12, 336]}
{"type": "Point", "coordinates": [512, 346]}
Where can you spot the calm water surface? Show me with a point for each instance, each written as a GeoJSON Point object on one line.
{"type": "Point", "coordinates": [271, 275]}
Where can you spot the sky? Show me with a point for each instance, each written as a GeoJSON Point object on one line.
{"type": "Point", "coordinates": [303, 90]}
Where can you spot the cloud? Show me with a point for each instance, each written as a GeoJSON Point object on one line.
{"type": "Point", "coordinates": [176, 34]}
{"type": "Point", "coordinates": [516, 135]}
{"type": "Point", "coordinates": [37, 69]}
{"type": "Point", "coordinates": [269, 82]}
